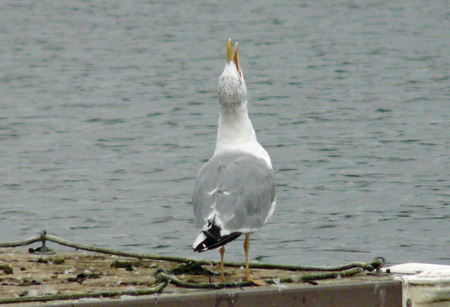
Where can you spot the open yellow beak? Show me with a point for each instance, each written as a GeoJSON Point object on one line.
{"type": "Point", "coordinates": [232, 55]}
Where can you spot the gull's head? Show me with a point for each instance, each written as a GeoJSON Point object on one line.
{"type": "Point", "coordinates": [232, 90]}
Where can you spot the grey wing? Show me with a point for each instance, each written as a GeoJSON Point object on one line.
{"type": "Point", "coordinates": [237, 191]}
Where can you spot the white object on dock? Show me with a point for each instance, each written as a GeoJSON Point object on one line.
{"type": "Point", "coordinates": [423, 284]}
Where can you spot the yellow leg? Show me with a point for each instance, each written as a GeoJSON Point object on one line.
{"type": "Point", "coordinates": [222, 254]}
{"type": "Point", "coordinates": [257, 282]}
{"type": "Point", "coordinates": [246, 248]}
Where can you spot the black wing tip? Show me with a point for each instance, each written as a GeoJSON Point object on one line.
{"type": "Point", "coordinates": [201, 248]}
{"type": "Point", "coordinates": [212, 242]}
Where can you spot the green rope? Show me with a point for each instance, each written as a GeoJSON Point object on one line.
{"type": "Point", "coordinates": [21, 243]}
{"type": "Point", "coordinates": [161, 275]}
{"type": "Point", "coordinates": [376, 263]}
{"type": "Point", "coordinates": [74, 296]}
{"type": "Point", "coordinates": [328, 272]}
{"type": "Point", "coordinates": [322, 276]}
{"type": "Point", "coordinates": [370, 266]}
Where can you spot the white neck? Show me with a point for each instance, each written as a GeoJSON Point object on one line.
{"type": "Point", "coordinates": [235, 132]}
{"type": "Point", "coordinates": [235, 127]}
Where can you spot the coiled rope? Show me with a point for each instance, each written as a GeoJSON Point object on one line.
{"type": "Point", "coordinates": [377, 263]}
{"type": "Point", "coordinates": [163, 278]}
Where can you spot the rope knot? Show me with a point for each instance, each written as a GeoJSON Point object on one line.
{"type": "Point", "coordinates": [161, 275]}
{"type": "Point", "coordinates": [378, 263]}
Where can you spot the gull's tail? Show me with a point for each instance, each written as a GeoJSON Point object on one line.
{"type": "Point", "coordinates": [211, 239]}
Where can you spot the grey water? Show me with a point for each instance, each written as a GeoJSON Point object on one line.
{"type": "Point", "coordinates": [109, 108]}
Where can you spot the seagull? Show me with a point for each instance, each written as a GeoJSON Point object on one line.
{"type": "Point", "coordinates": [235, 190]}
